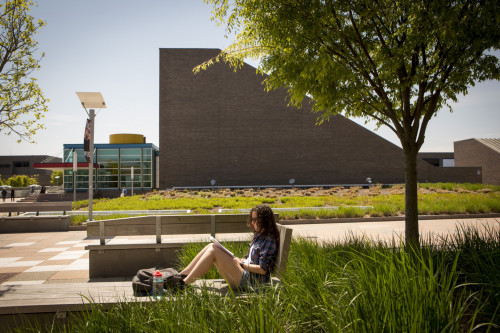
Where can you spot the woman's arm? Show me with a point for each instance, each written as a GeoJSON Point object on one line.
{"type": "Point", "coordinates": [252, 268]}
{"type": "Point", "coordinates": [249, 267]}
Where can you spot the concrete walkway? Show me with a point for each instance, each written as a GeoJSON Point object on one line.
{"type": "Point", "coordinates": [387, 230]}
{"type": "Point", "coordinates": [60, 257]}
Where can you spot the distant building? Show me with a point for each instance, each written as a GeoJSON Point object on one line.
{"type": "Point", "coordinates": [222, 126]}
{"type": "Point", "coordinates": [484, 153]}
{"type": "Point", "coordinates": [114, 164]}
{"type": "Point", "coordinates": [445, 160]}
{"type": "Point", "coordinates": [23, 165]}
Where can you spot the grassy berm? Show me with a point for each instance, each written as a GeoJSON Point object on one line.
{"type": "Point", "coordinates": [315, 203]}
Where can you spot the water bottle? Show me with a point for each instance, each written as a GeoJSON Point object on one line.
{"type": "Point", "coordinates": [157, 284]}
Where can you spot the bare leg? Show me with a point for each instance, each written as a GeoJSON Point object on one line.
{"type": "Point", "coordinates": [193, 262]}
{"type": "Point", "coordinates": [213, 255]}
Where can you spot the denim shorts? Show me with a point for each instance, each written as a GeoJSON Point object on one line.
{"type": "Point", "coordinates": [245, 281]}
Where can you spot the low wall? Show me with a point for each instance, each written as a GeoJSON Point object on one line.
{"type": "Point", "coordinates": [172, 225]}
{"type": "Point", "coordinates": [21, 224]}
{"type": "Point", "coordinates": [125, 260]}
{"type": "Point", "coordinates": [432, 174]}
{"type": "Point", "coordinates": [17, 207]}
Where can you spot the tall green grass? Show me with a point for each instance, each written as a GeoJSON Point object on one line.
{"type": "Point", "coordinates": [356, 285]}
{"type": "Point", "coordinates": [459, 186]}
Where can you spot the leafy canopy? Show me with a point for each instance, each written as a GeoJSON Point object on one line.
{"type": "Point", "coordinates": [395, 62]}
{"type": "Point", "coordinates": [22, 104]}
{"type": "Point", "coordinates": [21, 181]}
{"type": "Point", "coordinates": [56, 178]}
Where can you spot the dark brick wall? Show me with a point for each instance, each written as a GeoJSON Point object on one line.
{"type": "Point", "coordinates": [11, 169]}
{"type": "Point", "coordinates": [223, 125]}
{"type": "Point", "coordinates": [472, 153]}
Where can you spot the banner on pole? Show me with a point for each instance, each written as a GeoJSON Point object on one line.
{"type": "Point", "coordinates": [86, 141]}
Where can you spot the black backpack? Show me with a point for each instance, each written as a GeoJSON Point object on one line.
{"type": "Point", "coordinates": [142, 282]}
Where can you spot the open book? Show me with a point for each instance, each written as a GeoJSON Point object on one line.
{"type": "Point", "coordinates": [213, 240]}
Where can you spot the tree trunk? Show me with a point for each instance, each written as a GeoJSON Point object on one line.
{"type": "Point", "coordinates": [411, 198]}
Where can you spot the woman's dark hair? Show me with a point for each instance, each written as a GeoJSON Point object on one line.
{"type": "Point", "coordinates": [266, 222]}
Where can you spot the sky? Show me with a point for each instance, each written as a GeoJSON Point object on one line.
{"type": "Point", "coordinates": [112, 46]}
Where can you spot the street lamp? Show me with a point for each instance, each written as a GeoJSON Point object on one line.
{"type": "Point", "coordinates": [132, 178]}
{"type": "Point", "coordinates": [91, 100]}
{"type": "Point", "coordinates": [75, 166]}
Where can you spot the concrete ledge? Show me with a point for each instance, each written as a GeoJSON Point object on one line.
{"type": "Point", "coordinates": [21, 224]}
{"type": "Point", "coordinates": [16, 207]}
{"type": "Point", "coordinates": [124, 260]}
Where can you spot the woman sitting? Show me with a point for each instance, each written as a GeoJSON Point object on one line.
{"type": "Point", "coordinates": [239, 273]}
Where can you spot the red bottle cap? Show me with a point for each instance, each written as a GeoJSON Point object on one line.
{"type": "Point", "coordinates": [157, 273]}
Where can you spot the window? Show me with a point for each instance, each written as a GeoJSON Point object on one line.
{"type": "Point", "coordinates": [448, 162]}
{"type": "Point", "coordinates": [21, 164]}
{"type": "Point", "coordinates": [130, 152]}
{"type": "Point", "coordinates": [433, 161]}
{"type": "Point", "coordinates": [80, 156]}
{"type": "Point", "coordinates": [115, 165]}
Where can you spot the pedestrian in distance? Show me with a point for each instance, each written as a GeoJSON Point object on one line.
{"type": "Point", "coordinates": [4, 194]}
{"type": "Point", "coordinates": [12, 195]}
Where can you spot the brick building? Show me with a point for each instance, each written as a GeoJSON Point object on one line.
{"type": "Point", "coordinates": [23, 165]}
{"type": "Point", "coordinates": [480, 152]}
{"type": "Point", "coordinates": [222, 125]}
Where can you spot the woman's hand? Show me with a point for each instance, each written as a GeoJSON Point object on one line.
{"type": "Point", "coordinates": [238, 261]}
{"type": "Point", "coordinates": [243, 263]}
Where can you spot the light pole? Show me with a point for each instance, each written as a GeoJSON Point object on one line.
{"type": "Point", "coordinates": [132, 178]}
{"type": "Point", "coordinates": [75, 163]}
{"type": "Point", "coordinates": [91, 100]}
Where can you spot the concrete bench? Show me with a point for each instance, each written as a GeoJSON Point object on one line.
{"type": "Point", "coordinates": [17, 207]}
{"type": "Point", "coordinates": [21, 224]}
{"type": "Point", "coordinates": [124, 260]}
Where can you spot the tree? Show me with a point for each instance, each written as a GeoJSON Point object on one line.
{"type": "Point", "coordinates": [56, 178]}
{"type": "Point", "coordinates": [22, 104]}
{"type": "Point", "coordinates": [21, 181]}
{"type": "Point", "coordinates": [395, 62]}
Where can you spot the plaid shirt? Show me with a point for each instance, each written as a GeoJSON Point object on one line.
{"type": "Point", "coordinates": [263, 252]}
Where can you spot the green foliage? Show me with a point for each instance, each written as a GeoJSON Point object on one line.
{"type": "Point", "coordinates": [56, 181]}
{"type": "Point", "coordinates": [460, 186]}
{"type": "Point", "coordinates": [382, 205]}
{"type": "Point", "coordinates": [22, 104]}
{"type": "Point", "coordinates": [397, 63]}
{"type": "Point", "coordinates": [195, 204]}
{"type": "Point", "coordinates": [21, 181]}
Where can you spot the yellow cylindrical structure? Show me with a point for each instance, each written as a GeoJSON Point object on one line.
{"type": "Point", "coordinates": [126, 138]}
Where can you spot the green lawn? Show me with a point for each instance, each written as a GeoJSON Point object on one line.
{"type": "Point", "coordinates": [447, 198]}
